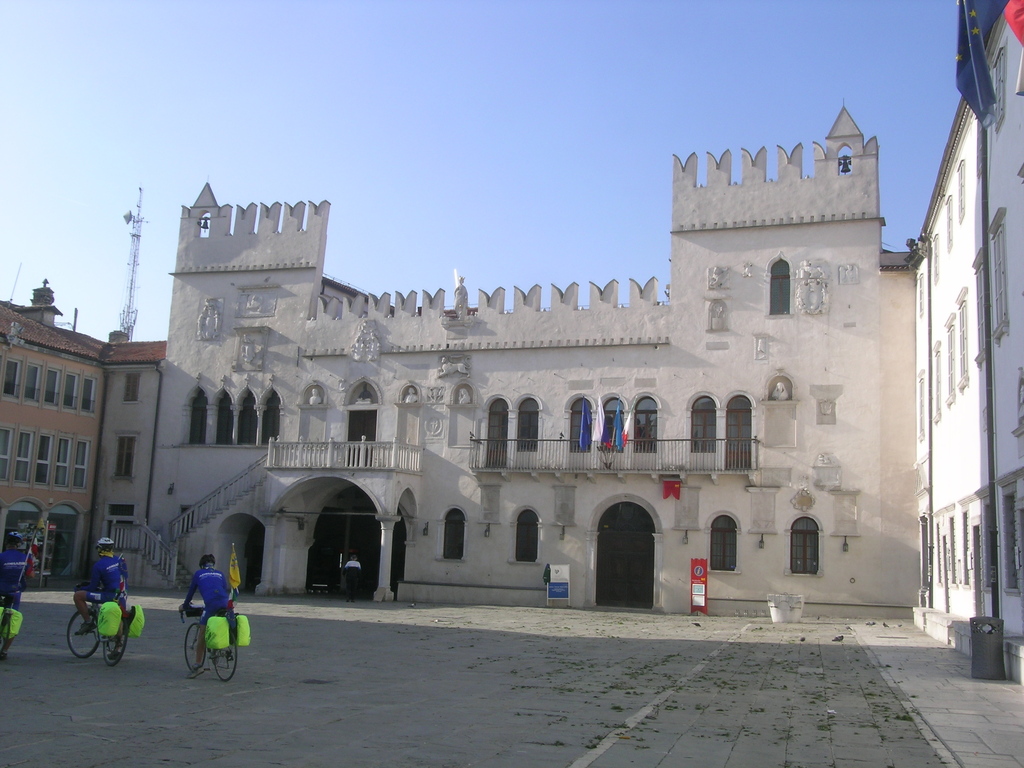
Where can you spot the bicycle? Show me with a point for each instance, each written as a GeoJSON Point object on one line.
{"type": "Point", "coordinates": [84, 644]}
{"type": "Point", "coordinates": [223, 660]}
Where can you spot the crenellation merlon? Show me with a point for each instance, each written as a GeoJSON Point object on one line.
{"type": "Point", "coordinates": [844, 186]}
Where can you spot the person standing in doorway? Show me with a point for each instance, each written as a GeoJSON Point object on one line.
{"type": "Point", "coordinates": [351, 570]}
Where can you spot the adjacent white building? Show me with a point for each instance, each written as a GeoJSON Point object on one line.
{"type": "Point", "coordinates": [970, 370]}
{"type": "Point", "coordinates": [761, 419]}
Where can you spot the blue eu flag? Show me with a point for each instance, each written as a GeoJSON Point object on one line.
{"type": "Point", "coordinates": [973, 79]}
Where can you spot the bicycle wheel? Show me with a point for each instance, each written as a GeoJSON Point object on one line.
{"type": "Point", "coordinates": [192, 635]}
{"type": "Point", "coordinates": [224, 661]}
{"type": "Point", "coordinates": [83, 646]}
{"type": "Point", "coordinates": [114, 647]}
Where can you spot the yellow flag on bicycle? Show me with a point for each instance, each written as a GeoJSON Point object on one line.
{"type": "Point", "coordinates": [234, 579]}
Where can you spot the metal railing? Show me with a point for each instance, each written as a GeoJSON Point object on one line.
{"type": "Point", "coordinates": [217, 501]}
{"type": "Point", "coordinates": [348, 455]}
{"type": "Point", "coordinates": [140, 538]}
{"type": "Point", "coordinates": [638, 456]}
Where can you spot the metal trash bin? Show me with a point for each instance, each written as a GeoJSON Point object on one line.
{"type": "Point", "coordinates": [987, 648]}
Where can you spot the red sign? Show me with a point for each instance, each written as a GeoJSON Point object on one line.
{"type": "Point", "coordinates": [699, 585]}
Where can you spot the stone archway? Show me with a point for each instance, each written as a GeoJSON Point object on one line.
{"type": "Point", "coordinates": [347, 525]}
{"type": "Point", "coordinates": [625, 557]}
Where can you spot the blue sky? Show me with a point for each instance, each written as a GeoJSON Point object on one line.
{"type": "Point", "coordinates": [520, 142]}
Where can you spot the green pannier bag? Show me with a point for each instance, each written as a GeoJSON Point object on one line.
{"type": "Point", "coordinates": [217, 632]}
{"type": "Point", "coordinates": [14, 627]}
{"type": "Point", "coordinates": [242, 628]}
{"type": "Point", "coordinates": [109, 618]}
{"type": "Point", "coordinates": [138, 622]}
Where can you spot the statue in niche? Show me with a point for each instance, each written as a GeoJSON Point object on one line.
{"type": "Point", "coordinates": [717, 277]}
{"type": "Point", "coordinates": [779, 392]}
{"type": "Point", "coordinates": [367, 346]}
{"type": "Point", "coordinates": [848, 274]}
{"type": "Point", "coordinates": [410, 396]}
{"type": "Point", "coordinates": [811, 289]}
{"type": "Point", "coordinates": [316, 397]}
{"type": "Point", "coordinates": [465, 397]}
{"type": "Point", "coordinates": [453, 365]}
{"type": "Point", "coordinates": [209, 321]}
{"type": "Point", "coordinates": [461, 299]}
{"type": "Point", "coordinates": [717, 320]}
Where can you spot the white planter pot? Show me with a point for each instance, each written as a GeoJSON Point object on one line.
{"type": "Point", "coordinates": [786, 609]}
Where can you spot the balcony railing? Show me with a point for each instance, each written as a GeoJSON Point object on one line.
{"type": "Point", "coordinates": [637, 456]}
{"type": "Point", "coordinates": [351, 455]}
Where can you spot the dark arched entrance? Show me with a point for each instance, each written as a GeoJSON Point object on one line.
{"type": "Point", "coordinates": [625, 557]}
{"type": "Point", "coordinates": [253, 557]}
{"type": "Point", "coordinates": [347, 525]}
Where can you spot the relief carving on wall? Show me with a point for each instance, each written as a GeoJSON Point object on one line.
{"type": "Point", "coordinates": [252, 345]}
{"type": "Point", "coordinates": [811, 289]}
{"type": "Point", "coordinates": [453, 365]}
{"type": "Point", "coordinates": [366, 347]}
{"type": "Point", "coordinates": [718, 278]}
{"type": "Point", "coordinates": [208, 324]}
{"type": "Point", "coordinates": [256, 303]}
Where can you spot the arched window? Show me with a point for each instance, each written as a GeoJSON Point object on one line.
{"type": "Point", "coordinates": [454, 535]}
{"type": "Point", "coordinates": [497, 434]}
{"type": "Point", "coordinates": [247, 420]}
{"type": "Point", "coordinates": [779, 288]}
{"type": "Point", "coordinates": [526, 536]}
{"type": "Point", "coordinates": [803, 539]}
{"type": "Point", "coordinates": [197, 419]}
{"type": "Point", "coordinates": [645, 426]}
{"type": "Point", "coordinates": [738, 448]}
{"type": "Point", "coordinates": [528, 426]}
{"type": "Point", "coordinates": [271, 425]}
{"type": "Point", "coordinates": [579, 443]}
{"type": "Point", "coordinates": [225, 419]}
{"type": "Point", "coordinates": [723, 544]}
{"type": "Point", "coordinates": [703, 427]}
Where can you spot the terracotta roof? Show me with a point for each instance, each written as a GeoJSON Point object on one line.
{"type": "Point", "coordinates": [78, 344]}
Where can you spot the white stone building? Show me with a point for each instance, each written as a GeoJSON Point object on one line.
{"type": "Point", "coordinates": [768, 411]}
{"type": "Point", "coordinates": [971, 370]}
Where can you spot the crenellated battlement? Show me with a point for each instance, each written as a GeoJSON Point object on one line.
{"type": "Point", "coordinates": [844, 186]}
{"type": "Point", "coordinates": [489, 304]}
{"type": "Point", "coordinates": [216, 238]}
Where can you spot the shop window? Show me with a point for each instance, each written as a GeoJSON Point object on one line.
{"type": "Point", "coordinates": [723, 544]}
{"type": "Point", "coordinates": [454, 535]}
{"type": "Point", "coordinates": [803, 556]}
{"type": "Point", "coordinates": [527, 539]}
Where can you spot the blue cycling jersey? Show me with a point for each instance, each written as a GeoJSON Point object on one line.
{"type": "Point", "coordinates": [109, 576]}
{"type": "Point", "coordinates": [212, 586]}
{"type": "Point", "coordinates": [13, 564]}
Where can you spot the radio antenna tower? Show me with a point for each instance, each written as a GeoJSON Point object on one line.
{"type": "Point", "coordinates": [129, 313]}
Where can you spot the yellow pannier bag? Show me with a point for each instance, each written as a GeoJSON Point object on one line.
{"type": "Point", "coordinates": [217, 632]}
{"type": "Point", "coordinates": [14, 627]}
{"type": "Point", "coordinates": [244, 636]}
{"type": "Point", "coordinates": [138, 622]}
{"type": "Point", "coordinates": [109, 618]}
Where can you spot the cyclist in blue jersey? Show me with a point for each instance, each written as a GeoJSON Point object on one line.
{"type": "Point", "coordinates": [13, 564]}
{"type": "Point", "coordinates": [216, 593]}
{"type": "Point", "coordinates": [107, 581]}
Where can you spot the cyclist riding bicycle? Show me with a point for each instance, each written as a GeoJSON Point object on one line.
{"type": "Point", "coordinates": [216, 593]}
{"type": "Point", "coordinates": [13, 565]}
{"type": "Point", "coordinates": [107, 581]}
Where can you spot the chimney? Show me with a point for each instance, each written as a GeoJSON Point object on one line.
{"type": "Point", "coordinates": [117, 337]}
{"type": "Point", "coordinates": [42, 309]}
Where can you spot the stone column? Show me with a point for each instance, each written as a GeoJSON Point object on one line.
{"type": "Point", "coordinates": [383, 592]}
{"type": "Point", "coordinates": [268, 574]}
